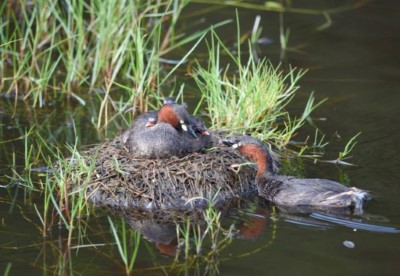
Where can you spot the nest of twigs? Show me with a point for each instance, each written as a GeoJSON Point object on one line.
{"type": "Point", "coordinates": [120, 180]}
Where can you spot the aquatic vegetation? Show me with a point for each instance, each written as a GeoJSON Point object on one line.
{"type": "Point", "coordinates": [253, 100]}
{"type": "Point", "coordinates": [346, 151]}
{"type": "Point", "coordinates": [109, 61]}
{"type": "Point", "coordinates": [53, 48]}
{"type": "Point", "coordinates": [124, 242]}
{"type": "Point", "coordinates": [7, 269]}
{"type": "Point", "coordinates": [71, 166]}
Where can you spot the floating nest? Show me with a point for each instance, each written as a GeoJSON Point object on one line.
{"type": "Point", "coordinates": [173, 184]}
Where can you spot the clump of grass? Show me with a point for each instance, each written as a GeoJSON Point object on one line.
{"type": "Point", "coordinates": [254, 99]}
{"type": "Point", "coordinates": [54, 180]}
{"type": "Point", "coordinates": [53, 48]}
{"type": "Point", "coordinates": [69, 206]}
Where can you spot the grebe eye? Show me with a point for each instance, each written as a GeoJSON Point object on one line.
{"type": "Point", "coordinates": [184, 127]}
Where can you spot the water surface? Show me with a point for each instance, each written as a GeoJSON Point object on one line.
{"type": "Point", "coordinates": [353, 63]}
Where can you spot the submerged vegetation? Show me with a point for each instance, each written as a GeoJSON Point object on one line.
{"type": "Point", "coordinates": [117, 56]}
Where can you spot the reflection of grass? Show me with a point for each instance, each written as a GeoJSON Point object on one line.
{"type": "Point", "coordinates": [286, 7]}
{"type": "Point", "coordinates": [212, 229]}
{"type": "Point", "coordinates": [202, 241]}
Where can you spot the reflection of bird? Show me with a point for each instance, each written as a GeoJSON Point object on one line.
{"type": "Point", "coordinates": [162, 234]}
{"type": "Point", "coordinates": [167, 249]}
{"type": "Point", "coordinates": [172, 135]}
{"type": "Point", "coordinates": [254, 224]}
{"type": "Point", "coordinates": [291, 191]}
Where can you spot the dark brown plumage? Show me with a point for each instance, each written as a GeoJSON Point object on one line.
{"type": "Point", "coordinates": [172, 135]}
{"type": "Point", "coordinates": [291, 191]}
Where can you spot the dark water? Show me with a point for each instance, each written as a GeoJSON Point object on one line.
{"type": "Point", "coordinates": [355, 64]}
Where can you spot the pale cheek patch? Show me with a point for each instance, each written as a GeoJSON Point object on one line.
{"type": "Point", "coordinates": [237, 145]}
{"type": "Point", "coordinates": [184, 127]}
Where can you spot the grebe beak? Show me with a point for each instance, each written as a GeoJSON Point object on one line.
{"type": "Point", "coordinates": [231, 143]}
{"type": "Point", "coordinates": [151, 122]}
{"type": "Point", "coordinates": [188, 129]}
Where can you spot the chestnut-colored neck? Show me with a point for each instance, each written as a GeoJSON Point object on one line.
{"type": "Point", "coordinates": [168, 115]}
{"type": "Point", "coordinates": [257, 154]}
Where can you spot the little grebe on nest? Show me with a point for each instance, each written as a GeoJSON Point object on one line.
{"type": "Point", "coordinates": [169, 132]}
{"type": "Point", "coordinates": [176, 183]}
{"type": "Point", "coordinates": [158, 166]}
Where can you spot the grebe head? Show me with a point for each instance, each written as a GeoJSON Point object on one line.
{"type": "Point", "coordinates": [169, 100]}
{"type": "Point", "coordinates": [151, 122]}
{"type": "Point", "coordinates": [199, 126]}
{"type": "Point", "coordinates": [177, 116]}
{"type": "Point", "coordinates": [248, 146]}
{"type": "Point", "coordinates": [256, 151]}
{"type": "Point", "coordinates": [193, 124]}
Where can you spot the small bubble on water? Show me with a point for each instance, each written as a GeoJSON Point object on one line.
{"type": "Point", "coordinates": [349, 244]}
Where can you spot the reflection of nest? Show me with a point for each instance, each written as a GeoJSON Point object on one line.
{"type": "Point", "coordinates": [120, 180]}
{"type": "Point", "coordinates": [161, 226]}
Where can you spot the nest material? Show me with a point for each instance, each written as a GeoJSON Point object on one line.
{"type": "Point", "coordinates": [120, 180]}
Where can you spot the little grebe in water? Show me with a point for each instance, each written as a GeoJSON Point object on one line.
{"type": "Point", "coordinates": [295, 192]}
